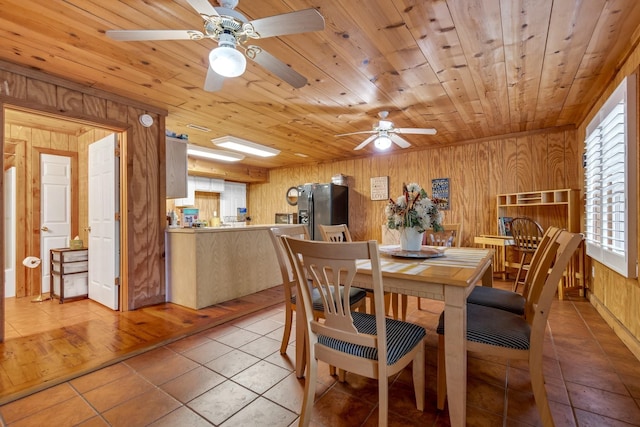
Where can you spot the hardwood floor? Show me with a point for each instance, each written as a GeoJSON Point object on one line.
{"type": "Point", "coordinates": [48, 343]}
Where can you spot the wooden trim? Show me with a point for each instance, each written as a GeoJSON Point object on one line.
{"type": "Point", "coordinates": [124, 223]}
{"type": "Point", "coordinates": [51, 79]}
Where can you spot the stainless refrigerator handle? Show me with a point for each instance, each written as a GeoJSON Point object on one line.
{"type": "Point", "coordinates": [311, 210]}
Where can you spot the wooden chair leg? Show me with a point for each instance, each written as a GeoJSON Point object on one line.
{"type": "Point", "coordinates": [419, 372]}
{"type": "Point", "coordinates": [539, 391]}
{"type": "Point", "coordinates": [288, 321]}
{"type": "Point", "coordinates": [441, 375]}
{"type": "Point", "coordinates": [309, 392]}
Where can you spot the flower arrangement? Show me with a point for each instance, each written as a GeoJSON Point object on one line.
{"type": "Point", "coordinates": [413, 208]}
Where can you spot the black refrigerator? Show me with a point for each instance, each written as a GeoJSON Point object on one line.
{"type": "Point", "coordinates": [322, 204]}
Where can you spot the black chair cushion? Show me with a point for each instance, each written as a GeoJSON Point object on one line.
{"type": "Point", "coordinates": [402, 337]}
{"type": "Point", "coordinates": [355, 295]}
{"type": "Point", "coordinates": [494, 326]}
{"type": "Point", "coordinates": [497, 298]}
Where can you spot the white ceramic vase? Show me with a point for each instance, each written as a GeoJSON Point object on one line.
{"type": "Point", "coordinates": [410, 239]}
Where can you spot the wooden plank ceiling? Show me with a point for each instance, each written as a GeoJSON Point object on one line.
{"type": "Point", "coordinates": [469, 68]}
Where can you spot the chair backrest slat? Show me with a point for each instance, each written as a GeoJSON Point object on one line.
{"type": "Point", "coordinates": [449, 236]}
{"type": "Point", "coordinates": [335, 233]}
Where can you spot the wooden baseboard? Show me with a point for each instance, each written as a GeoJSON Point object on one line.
{"type": "Point", "coordinates": [632, 343]}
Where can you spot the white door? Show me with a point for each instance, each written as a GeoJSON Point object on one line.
{"type": "Point", "coordinates": [55, 209]}
{"type": "Point", "coordinates": [103, 228]}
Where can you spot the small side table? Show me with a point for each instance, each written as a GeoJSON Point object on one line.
{"type": "Point", "coordinates": [69, 274]}
{"type": "Point", "coordinates": [499, 243]}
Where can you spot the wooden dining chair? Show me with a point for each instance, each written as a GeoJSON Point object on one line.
{"type": "Point", "coordinates": [371, 345]}
{"type": "Point", "coordinates": [498, 333]}
{"type": "Point", "coordinates": [340, 233]}
{"type": "Point", "coordinates": [526, 235]}
{"type": "Point", "coordinates": [449, 236]}
{"type": "Point", "coordinates": [356, 295]}
{"type": "Point", "coordinates": [335, 233]}
{"type": "Point", "coordinates": [510, 300]}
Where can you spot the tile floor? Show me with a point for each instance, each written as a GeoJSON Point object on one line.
{"type": "Point", "coordinates": [234, 375]}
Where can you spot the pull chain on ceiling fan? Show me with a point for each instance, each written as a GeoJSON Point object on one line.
{"type": "Point", "coordinates": [232, 30]}
{"type": "Point", "coordinates": [384, 133]}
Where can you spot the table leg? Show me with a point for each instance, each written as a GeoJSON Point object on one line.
{"type": "Point", "coordinates": [456, 353]}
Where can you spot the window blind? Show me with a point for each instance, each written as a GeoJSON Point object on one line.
{"type": "Point", "coordinates": [610, 182]}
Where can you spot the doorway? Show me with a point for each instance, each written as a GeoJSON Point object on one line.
{"type": "Point", "coordinates": [29, 134]}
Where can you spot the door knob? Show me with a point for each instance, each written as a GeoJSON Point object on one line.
{"type": "Point", "coordinates": [44, 228]}
{"type": "Point", "coordinates": [88, 229]}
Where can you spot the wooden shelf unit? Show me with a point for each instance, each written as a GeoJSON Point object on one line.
{"type": "Point", "coordinates": [560, 208]}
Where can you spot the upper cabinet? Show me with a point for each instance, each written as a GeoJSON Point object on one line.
{"type": "Point", "coordinates": [176, 161]}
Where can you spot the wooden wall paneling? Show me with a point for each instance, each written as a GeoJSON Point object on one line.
{"type": "Point", "coordinates": [22, 219]}
{"type": "Point", "coordinates": [59, 141]}
{"type": "Point", "coordinates": [41, 92]}
{"type": "Point", "coordinates": [68, 100]}
{"type": "Point", "coordinates": [95, 107]}
{"type": "Point", "coordinates": [146, 255]}
{"type": "Point", "coordinates": [17, 84]}
{"type": "Point", "coordinates": [509, 166]}
{"type": "Point", "coordinates": [496, 170]}
{"type": "Point", "coordinates": [478, 221]}
{"type": "Point", "coordinates": [556, 165]}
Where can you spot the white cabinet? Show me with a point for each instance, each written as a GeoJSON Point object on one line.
{"type": "Point", "coordinates": [190, 200]}
{"type": "Point", "coordinates": [176, 168]}
{"type": "Point", "coordinates": [210, 185]}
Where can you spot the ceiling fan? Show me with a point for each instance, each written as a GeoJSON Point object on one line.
{"type": "Point", "coordinates": [384, 133]}
{"type": "Point", "coordinates": [230, 29]}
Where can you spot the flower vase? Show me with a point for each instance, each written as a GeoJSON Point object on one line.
{"type": "Point", "coordinates": [410, 239]}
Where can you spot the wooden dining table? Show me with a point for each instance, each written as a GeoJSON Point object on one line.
{"type": "Point", "coordinates": [449, 278]}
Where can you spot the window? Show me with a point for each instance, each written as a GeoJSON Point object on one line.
{"type": "Point", "coordinates": [610, 187]}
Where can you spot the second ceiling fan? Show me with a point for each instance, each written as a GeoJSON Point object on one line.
{"type": "Point", "coordinates": [384, 133]}
{"type": "Point", "coordinates": [232, 30]}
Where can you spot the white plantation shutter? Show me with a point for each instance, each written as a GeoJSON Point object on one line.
{"type": "Point", "coordinates": [610, 182]}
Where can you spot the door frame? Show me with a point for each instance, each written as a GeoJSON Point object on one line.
{"type": "Point", "coordinates": [122, 130]}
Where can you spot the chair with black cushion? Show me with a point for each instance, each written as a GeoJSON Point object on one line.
{"type": "Point", "coordinates": [526, 235]}
{"type": "Point", "coordinates": [356, 295]}
{"type": "Point", "coordinates": [449, 236]}
{"type": "Point", "coordinates": [509, 300]}
{"type": "Point", "coordinates": [370, 345]}
{"type": "Point", "coordinates": [499, 333]}
{"type": "Point", "coordinates": [335, 233]}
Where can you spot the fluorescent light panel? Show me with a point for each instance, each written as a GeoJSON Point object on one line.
{"type": "Point", "coordinates": [207, 153]}
{"type": "Point", "coordinates": [242, 145]}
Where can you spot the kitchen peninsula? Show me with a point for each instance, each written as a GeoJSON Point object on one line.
{"type": "Point", "coordinates": [206, 266]}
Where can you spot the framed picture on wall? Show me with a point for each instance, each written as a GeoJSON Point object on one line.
{"type": "Point", "coordinates": [440, 192]}
{"type": "Point", "coordinates": [380, 188]}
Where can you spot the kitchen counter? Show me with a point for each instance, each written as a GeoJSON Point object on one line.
{"type": "Point", "coordinates": [210, 265]}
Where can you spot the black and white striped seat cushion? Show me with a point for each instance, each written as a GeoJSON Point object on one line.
{"type": "Point", "coordinates": [497, 298]}
{"type": "Point", "coordinates": [494, 326]}
{"type": "Point", "coordinates": [402, 337]}
{"type": "Point", "coordinates": [355, 295]}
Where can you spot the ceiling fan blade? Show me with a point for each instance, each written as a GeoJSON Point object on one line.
{"type": "Point", "coordinates": [301, 21]}
{"type": "Point", "coordinates": [276, 67]}
{"type": "Point", "coordinates": [203, 7]}
{"type": "Point", "coordinates": [213, 81]}
{"type": "Point", "coordinates": [141, 35]}
{"type": "Point", "coordinates": [365, 142]}
{"type": "Point", "coordinates": [400, 142]}
{"type": "Point", "coordinates": [356, 133]}
{"type": "Point", "coordinates": [417, 131]}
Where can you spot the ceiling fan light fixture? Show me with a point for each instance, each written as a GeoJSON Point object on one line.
{"type": "Point", "coordinates": [206, 153]}
{"type": "Point", "coordinates": [225, 60]}
{"type": "Point", "coordinates": [244, 146]}
{"type": "Point", "coordinates": [382, 142]}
